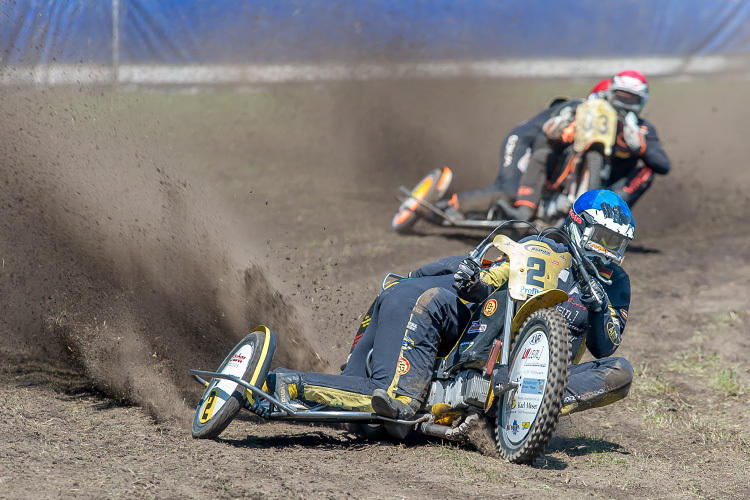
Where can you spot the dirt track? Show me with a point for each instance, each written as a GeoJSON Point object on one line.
{"type": "Point", "coordinates": [142, 235]}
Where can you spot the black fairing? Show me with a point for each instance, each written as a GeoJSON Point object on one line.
{"type": "Point", "coordinates": [473, 347]}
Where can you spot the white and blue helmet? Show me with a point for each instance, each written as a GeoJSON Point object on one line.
{"type": "Point", "coordinates": [601, 224]}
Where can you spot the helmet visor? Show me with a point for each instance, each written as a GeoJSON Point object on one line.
{"type": "Point", "coordinates": [626, 101]}
{"type": "Point", "coordinates": [605, 242]}
{"type": "Point", "coordinates": [627, 97]}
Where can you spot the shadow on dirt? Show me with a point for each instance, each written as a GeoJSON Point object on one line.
{"type": "Point", "coordinates": [306, 439]}
{"type": "Point", "coordinates": [580, 446]}
{"type": "Point", "coordinates": [295, 435]}
{"type": "Point", "coordinates": [642, 249]}
{"type": "Point", "coordinates": [469, 237]}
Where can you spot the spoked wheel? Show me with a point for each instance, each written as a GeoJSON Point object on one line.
{"type": "Point", "coordinates": [223, 399]}
{"type": "Point", "coordinates": [528, 414]}
{"type": "Point", "coordinates": [430, 189]}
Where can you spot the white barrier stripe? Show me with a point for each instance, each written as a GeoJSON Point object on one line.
{"type": "Point", "coordinates": [129, 74]}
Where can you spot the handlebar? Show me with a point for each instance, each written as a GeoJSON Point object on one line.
{"type": "Point", "coordinates": [475, 254]}
{"type": "Point", "coordinates": [581, 262]}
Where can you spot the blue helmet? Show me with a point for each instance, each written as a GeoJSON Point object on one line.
{"type": "Point", "coordinates": [601, 224]}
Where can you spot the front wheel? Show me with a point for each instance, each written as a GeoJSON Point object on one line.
{"type": "Point", "coordinates": [430, 189]}
{"type": "Point", "coordinates": [590, 172]}
{"type": "Point", "coordinates": [223, 399]}
{"type": "Point", "coordinates": [538, 364]}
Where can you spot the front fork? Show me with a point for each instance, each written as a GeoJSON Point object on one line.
{"type": "Point", "coordinates": [507, 326]}
{"type": "Point", "coordinates": [500, 375]}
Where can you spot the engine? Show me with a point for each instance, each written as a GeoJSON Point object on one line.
{"type": "Point", "coordinates": [469, 388]}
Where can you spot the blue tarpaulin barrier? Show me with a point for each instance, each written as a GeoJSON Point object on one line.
{"type": "Point", "coordinates": [34, 32]}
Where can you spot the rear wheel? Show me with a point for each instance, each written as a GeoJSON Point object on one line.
{"type": "Point", "coordinates": [430, 189]}
{"type": "Point", "coordinates": [223, 399]}
{"type": "Point", "coordinates": [527, 415]}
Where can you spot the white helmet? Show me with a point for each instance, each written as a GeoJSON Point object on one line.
{"type": "Point", "coordinates": [628, 91]}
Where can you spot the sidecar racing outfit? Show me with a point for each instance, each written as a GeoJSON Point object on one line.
{"type": "Point", "coordinates": [419, 318]}
{"type": "Point", "coordinates": [636, 156]}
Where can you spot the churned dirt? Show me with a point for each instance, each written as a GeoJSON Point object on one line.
{"type": "Point", "coordinates": [145, 234]}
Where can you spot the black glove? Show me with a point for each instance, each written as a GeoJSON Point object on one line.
{"type": "Point", "coordinates": [593, 296]}
{"type": "Point", "coordinates": [467, 275]}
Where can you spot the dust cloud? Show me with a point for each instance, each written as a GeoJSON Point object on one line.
{"type": "Point", "coordinates": [116, 266]}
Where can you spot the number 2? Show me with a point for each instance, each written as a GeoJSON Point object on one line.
{"type": "Point", "coordinates": [535, 269]}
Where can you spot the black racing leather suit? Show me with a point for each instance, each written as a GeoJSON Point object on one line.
{"type": "Point", "coordinates": [515, 152]}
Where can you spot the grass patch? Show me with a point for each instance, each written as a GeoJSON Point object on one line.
{"type": "Point", "coordinates": [711, 366]}
{"type": "Point", "coordinates": [656, 415]}
{"type": "Point", "coordinates": [467, 463]}
{"type": "Point", "coordinates": [726, 320]}
{"type": "Point", "coordinates": [712, 431]}
{"type": "Point", "coordinates": [726, 380]}
{"type": "Point", "coordinates": [650, 383]}
{"type": "Point", "coordinates": [606, 460]}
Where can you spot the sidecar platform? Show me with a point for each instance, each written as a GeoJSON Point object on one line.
{"type": "Point", "coordinates": [271, 408]}
{"type": "Point", "coordinates": [448, 220]}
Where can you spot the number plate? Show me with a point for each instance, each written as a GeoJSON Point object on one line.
{"type": "Point", "coordinates": [534, 266]}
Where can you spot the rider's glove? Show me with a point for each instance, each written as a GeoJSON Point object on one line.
{"type": "Point", "coordinates": [593, 296]}
{"type": "Point", "coordinates": [554, 127]}
{"type": "Point", "coordinates": [467, 275]}
{"type": "Point", "coordinates": [632, 132]}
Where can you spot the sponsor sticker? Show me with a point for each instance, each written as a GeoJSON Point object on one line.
{"type": "Point", "coordinates": [535, 339]}
{"type": "Point", "coordinates": [407, 344]}
{"type": "Point", "coordinates": [532, 354]}
{"type": "Point", "coordinates": [563, 276]}
{"type": "Point", "coordinates": [535, 247]}
{"type": "Point", "coordinates": [477, 327]}
{"type": "Point", "coordinates": [612, 332]}
{"type": "Point", "coordinates": [532, 386]}
{"type": "Point", "coordinates": [624, 313]}
{"type": "Point", "coordinates": [576, 218]}
{"type": "Point", "coordinates": [464, 345]}
{"type": "Point", "coordinates": [528, 405]}
{"type": "Point", "coordinates": [490, 307]}
{"type": "Point", "coordinates": [601, 249]}
{"type": "Point", "coordinates": [411, 326]}
{"type": "Point", "coordinates": [402, 367]}
{"type": "Point", "coordinates": [237, 359]}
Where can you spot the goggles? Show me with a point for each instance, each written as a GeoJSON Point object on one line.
{"type": "Point", "coordinates": [605, 242]}
{"type": "Point", "coordinates": [627, 97]}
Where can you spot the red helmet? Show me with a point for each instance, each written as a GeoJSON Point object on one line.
{"type": "Point", "coordinates": [600, 89]}
{"type": "Point", "coordinates": [628, 91]}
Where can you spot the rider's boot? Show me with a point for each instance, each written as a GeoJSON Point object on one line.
{"type": "Point", "coordinates": [510, 212]}
{"type": "Point", "coordinates": [286, 386]}
{"type": "Point", "coordinates": [449, 207]}
{"type": "Point", "coordinates": [400, 407]}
